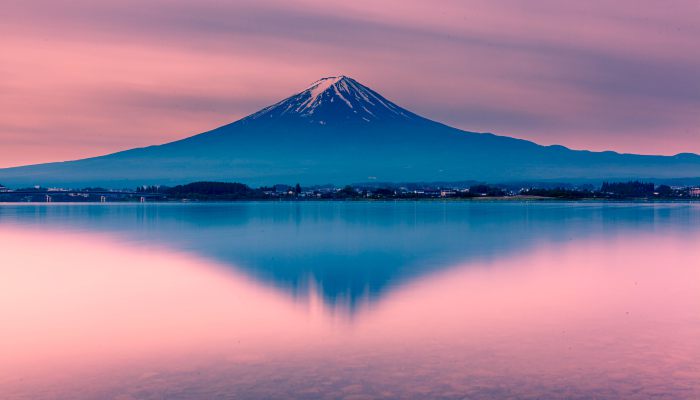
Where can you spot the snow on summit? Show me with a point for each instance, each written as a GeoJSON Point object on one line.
{"type": "Point", "coordinates": [336, 98]}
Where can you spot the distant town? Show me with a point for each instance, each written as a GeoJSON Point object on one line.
{"type": "Point", "coordinates": [224, 191]}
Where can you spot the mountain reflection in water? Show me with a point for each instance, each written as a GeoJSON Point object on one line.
{"type": "Point", "coordinates": [352, 252]}
{"type": "Point", "coordinates": [350, 300]}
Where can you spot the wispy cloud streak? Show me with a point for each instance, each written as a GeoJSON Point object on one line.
{"type": "Point", "coordinates": [82, 78]}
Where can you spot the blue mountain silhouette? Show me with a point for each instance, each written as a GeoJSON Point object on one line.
{"type": "Point", "coordinates": [340, 131]}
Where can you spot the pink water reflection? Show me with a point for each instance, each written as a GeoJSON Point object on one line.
{"type": "Point", "coordinates": [86, 316]}
{"type": "Point", "coordinates": [75, 299]}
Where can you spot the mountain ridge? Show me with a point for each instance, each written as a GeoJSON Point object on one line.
{"type": "Point", "coordinates": [338, 131]}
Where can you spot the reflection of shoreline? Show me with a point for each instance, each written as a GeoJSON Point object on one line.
{"type": "Point", "coordinates": [486, 199]}
{"type": "Point", "coordinates": [354, 253]}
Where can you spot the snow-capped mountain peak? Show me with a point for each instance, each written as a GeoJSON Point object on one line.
{"type": "Point", "coordinates": [336, 98]}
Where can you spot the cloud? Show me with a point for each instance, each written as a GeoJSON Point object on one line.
{"type": "Point", "coordinates": [111, 75]}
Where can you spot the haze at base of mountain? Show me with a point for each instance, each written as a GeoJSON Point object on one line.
{"type": "Point", "coordinates": [339, 131]}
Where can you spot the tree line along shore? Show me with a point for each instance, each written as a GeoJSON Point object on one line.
{"type": "Point", "coordinates": [232, 191]}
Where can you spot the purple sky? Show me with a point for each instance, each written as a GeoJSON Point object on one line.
{"type": "Point", "coordinates": [82, 78]}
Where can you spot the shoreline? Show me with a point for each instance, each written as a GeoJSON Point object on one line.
{"type": "Point", "coordinates": [485, 199]}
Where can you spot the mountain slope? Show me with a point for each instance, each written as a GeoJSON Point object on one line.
{"type": "Point", "coordinates": [339, 131]}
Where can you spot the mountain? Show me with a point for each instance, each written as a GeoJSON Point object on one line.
{"type": "Point", "coordinates": [340, 131]}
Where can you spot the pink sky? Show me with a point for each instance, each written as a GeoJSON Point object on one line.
{"type": "Point", "coordinates": [83, 78]}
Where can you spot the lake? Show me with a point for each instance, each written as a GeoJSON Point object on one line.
{"type": "Point", "coordinates": [350, 300]}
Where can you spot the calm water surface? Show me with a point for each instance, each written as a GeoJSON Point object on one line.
{"type": "Point", "coordinates": [350, 300]}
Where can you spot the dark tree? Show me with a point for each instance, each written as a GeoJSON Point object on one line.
{"type": "Point", "coordinates": [347, 191]}
{"type": "Point", "coordinates": [384, 192]}
{"type": "Point", "coordinates": [664, 191]}
{"type": "Point", "coordinates": [628, 189]}
{"type": "Point", "coordinates": [214, 190]}
{"type": "Point", "coordinates": [486, 190]}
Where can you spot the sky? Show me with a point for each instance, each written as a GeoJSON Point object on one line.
{"type": "Point", "coordinates": [81, 78]}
